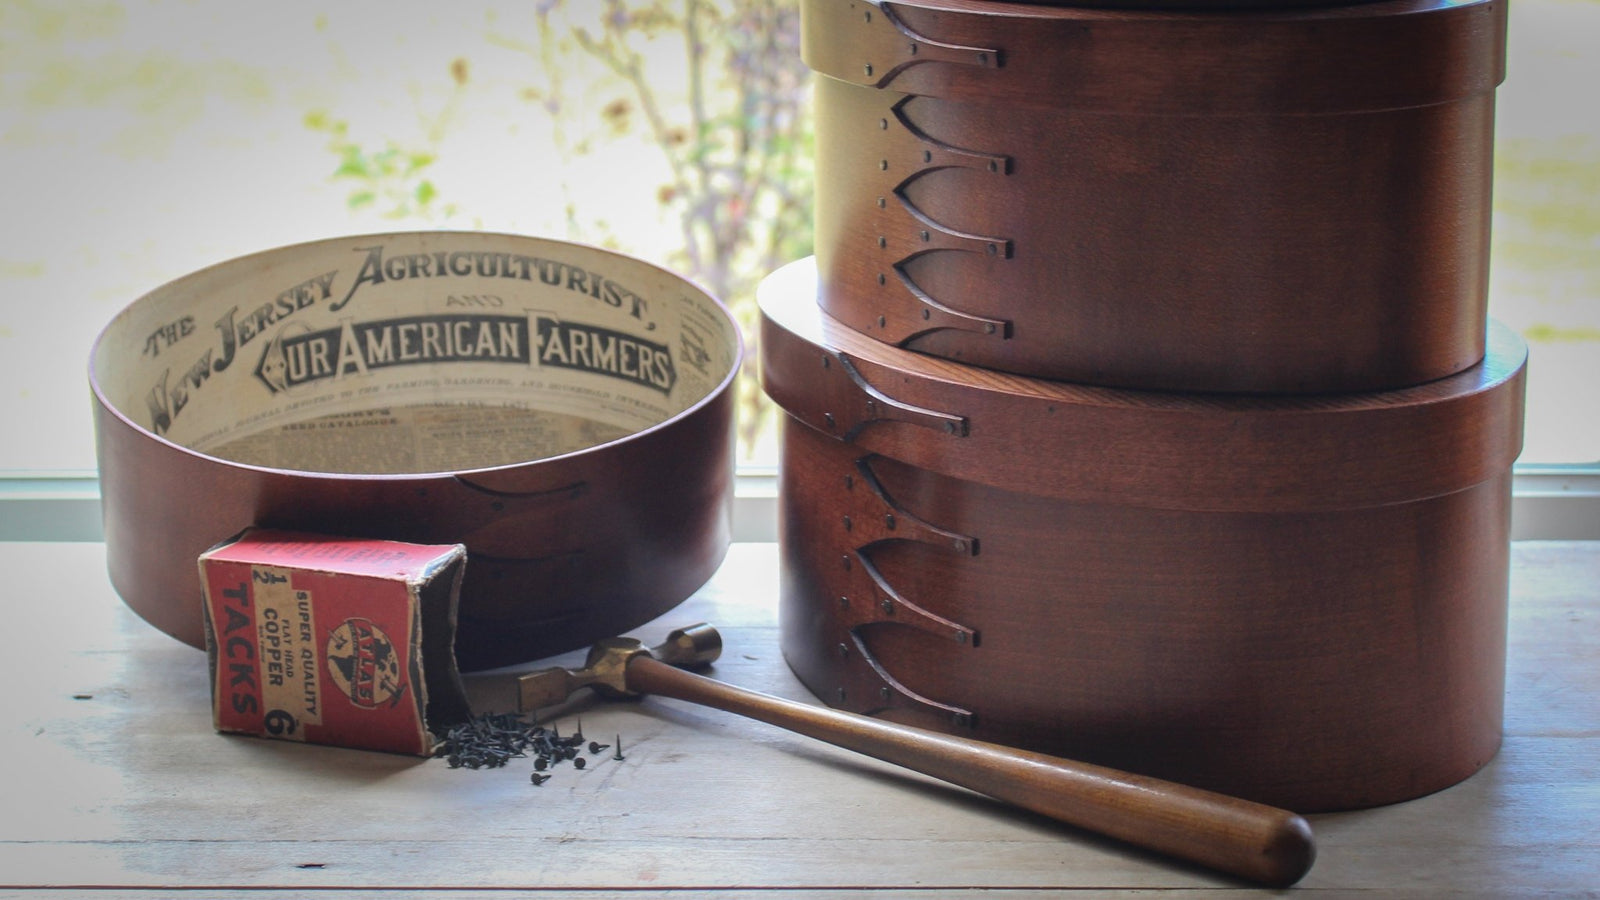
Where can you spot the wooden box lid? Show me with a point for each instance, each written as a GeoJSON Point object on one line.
{"type": "Point", "coordinates": [1311, 60]}
{"type": "Point", "coordinates": [1143, 448]}
{"type": "Point", "coordinates": [1176, 5]}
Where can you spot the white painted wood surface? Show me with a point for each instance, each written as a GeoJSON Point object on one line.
{"type": "Point", "coordinates": [113, 783]}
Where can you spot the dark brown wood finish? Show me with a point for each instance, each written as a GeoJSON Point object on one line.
{"type": "Point", "coordinates": [1299, 601]}
{"type": "Point", "coordinates": [1187, 5]}
{"type": "Point", "coordinates": [1259, 202]}
{"type": "Point", "coordinates": [561, 551]}
{"type": "Point", "coordinates": [1314, 61]}
{"type": "Point", "coordinates": [1315, 661]}
{"type": "Point", "coordinates": [1141, 448]}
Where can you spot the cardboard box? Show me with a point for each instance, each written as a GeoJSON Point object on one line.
{"type": "Point", "coordinates": [334, 640]}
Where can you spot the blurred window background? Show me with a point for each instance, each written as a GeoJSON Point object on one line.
{"type": "Point", "coordinates": [140, 141]}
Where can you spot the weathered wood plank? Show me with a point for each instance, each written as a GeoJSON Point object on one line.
{"type": "Point", "coordinates": [128, 790]}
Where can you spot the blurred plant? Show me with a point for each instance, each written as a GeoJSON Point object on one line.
{"type": "Point", "coordinates": [393, 180]}
{"type": "Point", "coordinates": [719, 89]}
{"type": "Point", "coordinates": [716, 87]}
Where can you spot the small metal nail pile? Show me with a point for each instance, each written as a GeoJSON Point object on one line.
{"type": "Point", "coordinates": [491, 740]}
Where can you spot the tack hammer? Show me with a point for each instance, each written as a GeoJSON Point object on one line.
{"type": "Point", "coordinates": [1260, 843]}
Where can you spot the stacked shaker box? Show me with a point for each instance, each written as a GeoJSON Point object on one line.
{"type": "Point", "coordinates": [1141, 403]}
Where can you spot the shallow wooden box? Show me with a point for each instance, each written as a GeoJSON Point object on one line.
{"type": "Point", "coordinates": [1268, 200]}
{"type": "Point", "coordinates": [590, 498]}
{"type": "Point", "coordinates": [1296, 600]}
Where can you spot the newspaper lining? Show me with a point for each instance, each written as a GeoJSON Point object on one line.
{"type": "Point", "coordinates": [414, 353]}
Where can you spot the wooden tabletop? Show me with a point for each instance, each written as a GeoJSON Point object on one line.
{"type": "Point", "coordinates": [115, 784]}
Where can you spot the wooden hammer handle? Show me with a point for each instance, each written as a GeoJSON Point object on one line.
{"type": "Point", "coordinates": [1260, 843]}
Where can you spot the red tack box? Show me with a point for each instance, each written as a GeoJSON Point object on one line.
{"type": "Point", "coordinates": [334, 640]}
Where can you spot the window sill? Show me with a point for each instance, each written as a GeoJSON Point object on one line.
{"type": "Point", "coordinates": [1549, 502]}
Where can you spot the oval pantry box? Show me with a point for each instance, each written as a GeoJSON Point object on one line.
{"type": "Point", "coordinates": [1185, 195]}
{"type": "Point", "coordinates": [1300, 600]}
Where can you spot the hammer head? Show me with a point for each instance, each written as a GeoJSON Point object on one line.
{"type": "Point", "coordinates": [606, 669]}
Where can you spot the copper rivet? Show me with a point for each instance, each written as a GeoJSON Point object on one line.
{"type": "Point", "coordinates": [828, 417]}
{"type": "Point", "coordinates": [925, 235]}
{"type": "Point", "coordinates": [867, 68]}
{"type": "Point", "coordinates": [841, 693]}
{"type": "Point", "coordinates": [883, 693]}
{"type": "Point", "coordinates": [883, 164]}
{"type": "Point", "coordinates": [961, 547]}
{"type": "Point", "coordinates": [913, 49]}
{"type": "Point", "coordinates": [882, 202]}
{"type": "Point", "coordinates": [881, 322]}
{"type": "Point", "coordinates": [983, 58]}
{"type": "Point", "coordinates": [844, 601]}
{"type": "Point", "coordinates": [988, 328]}
{"type": "Point", "coordinates": [994, 166]}
{"type": "Point", "coordinates": [849, 482]}
{"type": "Point", "coordinates": [961, 637]}
{"type": "Point", "coordinates": [993, 250]}
{"type": "Point", "coordinates": [950, 427]}
{"type": "Point", "coordinates": [844, 650]}
{"type": "Point", "coordinates": [845, 559]}
{"type": "Point", "coordinates": [888, 607]}
{"type": "Point", "coordinates": [826, 362]}
{"type": "Point", "coordinates": [868, 14]}
{"type": "Point", "coordinates": [926, 313]}
{"type": "Point", "coordinates": [847, 523]}
{"type": "Point", "coordinates": [883, 124]}
{"type": "Point", "coordinates": [927, 156]}
{"type": "Point", "coordinates": [888, 521]}
{"type": "Point", "coordinates": [882, 280]}
{"type": "Point", "coordinates": [882, 241]}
